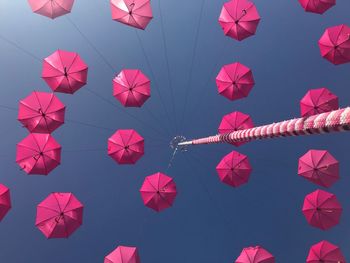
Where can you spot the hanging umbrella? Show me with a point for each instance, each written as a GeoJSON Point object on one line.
{"type": "Point", "coordinates": [322, 209]}
{"type": "Point", "coordinates": [335, 44]}
{"type": "Point", "coordinates": [38, 154]}
{"type": "Point", "coordinates": [319, 167]}
{"type": "Point", "coordinates": [131, 87]}
{"type": "Point", "coordinates": [255, 255]}
{"type": "Point", "coordinates": [326, 252]}
{"type": "Point", "coordinates": [235, 81]}
{"type": "Point", "coordinates": [41, 112]}
{"type": "Point", "coordinates": [59, 215]}
{"type": "Point", "coordinates": [239, 19]}
{"type": "Point", "coordinates": [126, 146]}
{"type": "Point", "coordinates": [318, 101]}
{"type": "Point", "coordinates": [51, 8]}
{"type": "Point", "coordinates": [158, 191]}
{"type": "Point", "coordinates": [234, 169]}
{"type": "Point", "coordinates": [64, 71]}
{"type": "Point", "coordinates": [123, 254]}
{"type": "Point", "coordinates": [5, 201]}
{"type": "Point", "coordinates": [317, 6]}
{"type": "Point", "coordinates": [135, 13]}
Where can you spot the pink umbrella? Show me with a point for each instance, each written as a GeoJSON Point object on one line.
{"type": "Point", "coordinates": [123, 254]}
{"type": "Point", "coordinates": [64, 71]}
{"type": "Point", "coordinates": [318, 101]}
{"type": "Point", "coordinates": [317, 6]}
{"type": "Point", "coordinates": [319, 167]}
{"type": "Point", "coordinates": [5, 201]}
{"type": "Point", "coordinates": [335, 44]}
{"type": "Point", "coordinates": [239, 19]}
{"type": "Point", "coordinates": [126, 146]}
{"type": "Point", "coordinates": [158, 191]}
{"type": "Point", "coordinates": [131, 87]}
{"type": "Point", "coordinates": [41, 112]}
{"type": "Point", "coordinates": [135, 13]}
{"type": "Point", "coordinates": [235, 121]}
{"type": "Point", "coordinates": [326, 252]}
{"type": "Point", "coordinates": [255, 255]}
{"type": "Point", "coordinates": [322, 209]}
{"type": "Point", "coordinates": [59, 215]}
{"type": "Point", "coordinates": [51, 8]}
{"type": "Point", "coordinates": [234, 169]}
{"type": "Point", "coordinates": [235, 81]}
{"type": "Point", "coordinates": [38, 154]}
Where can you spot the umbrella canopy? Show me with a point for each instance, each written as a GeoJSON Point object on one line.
{"type": "Point", "coordinates": [64, 71]}
{"type": "Point", "coordinates": [317, 6]}
{"type": "Point", "coordinates": [318, 101]}
{"type": "Point", "coordinates": [38, 154]}
{"type": "Point", "coordinates": [235, 81]}
{"type": "Point", "coordinates": [5, 201]}
{"type": "Point", "coordinates": [135, 13]}
{"type": "Point", "coordinates": [126, 146]}
{"type": "Point", "coordinates": [41, 112]}
{"type": "Point", "coordinates": [131, 87]}
{"type": "Point", "coordinates": [255, 255]}
{"type": "Point", "coordinates": [322, 209]}
{"type": "Point", "coordinates": [235, 121]}
{"type": "Point", "coordinates": [239, 19]}
{"type": "Point", "coordinates": [335, 44]}
{"type": "Point", "coordinates": [51, 8]}
{"type": "Point", "coordinates": [234, 169]}
{"type": "Point", "coordinates": [319, 167]}
{"type": "Point", "coordinates": [59, 215]}
{"type": "Point", "coordinates": [123, 254]}
{"type": "Point", "coordinates": [326, 252]}
{"type": "Point", "coordinates": [158, 191]}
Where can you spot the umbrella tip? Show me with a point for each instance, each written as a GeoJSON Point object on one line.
{"type": "Point", "coordinates": [174, 143]}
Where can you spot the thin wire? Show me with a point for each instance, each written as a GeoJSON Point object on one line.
{"type": "Point", "coordinates": [8, 107]}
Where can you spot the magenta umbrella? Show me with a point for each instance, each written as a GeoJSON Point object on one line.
{"type": "Point", "coordinates": [322, 209]}
{"type": "Point", "coordinates": [319, 167]}
{"type": "Point", "coordinates": [59, 215]}
{"type": "Point", "coordinates": [64, 71]}
{"type": "Point", "coordinates": [239, 19]}
{"type": "Point", "coordinates": [51, 8]}
{"type": "Point", "coordinates": [158, 191]}
{"type": "Point", "coordinates": [5, 201]}
{"type": "Point", "coordinates": [234, 169]}
{"type": "Point", "coordinates": [335, 44]}
{"type": "Point", "coordinates": [317, 6]}
{"type": "Point", "coordinates": [38, 153]}
{"type": "Point", "coordinates": [318, 101]}
{"type": "Point", "coordinates": [135, 13]}
{"type": "Point", "coordinates": [326, 252]}
{"type": "Point", "coordinates": [41, 112]}
{"type": "Point", "coordinates": [131, 87]}
{"type": "Point", "coordinates": [235, 81]}
{"type": "Point", "coordinates": [123, 254]}
{"type": "Point", "coordinates": [255, 255]}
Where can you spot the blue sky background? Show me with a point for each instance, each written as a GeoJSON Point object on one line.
{"type": "Point", "coordinates": [210, 222]}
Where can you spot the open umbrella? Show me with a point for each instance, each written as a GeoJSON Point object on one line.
{"type": "Point", "coordinates": [59, 215]}
{"type": "Point", "coordinates": [135, 13]}
{"type": "Point", "coordinates": [235, 81]}
{"type": "Point", "coordinates": [126, 146]}
{"type": "Point", "coordinates": [41, 112]}
{"type": "Point", "coordinates": [317, 6]}
{"type": "Point", "coordinates": [38, 153]}
{"type": "Point", "coordinates": [319, 167]}
{"type": "Point", "coordinates": [5, 201]}
{"type": "Point", "coordinates": [234, 169]}
{"type": "Point", "coordinates": [131, 87]}
{"type": "Point", "coordinates": [255, 255]}
{"type": "Point", "coordinates": [325, 252]}
{"type": "Point", "coordinates": [158, 191]}
{"type": "Point", "coordinates": [64, 71]}
{"type": "Point", "coordinates": [322, 209]}
{"type": "Point", "coordinates": [123, 254]}
{"type": "Point", "coordinates": [239, 19]}
{"type": "Point", "coordinates": [335, 44]}
{"type": "Point", "coordinates": [51, 8]}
